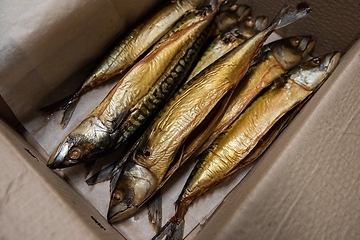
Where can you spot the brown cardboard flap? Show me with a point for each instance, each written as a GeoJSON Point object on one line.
{"type": "Point", "coordinates": [306, 185]}
{"type": "Point", "coordinates": [48, 48]}
{"type": "Point", "coordinates": [36, 203]}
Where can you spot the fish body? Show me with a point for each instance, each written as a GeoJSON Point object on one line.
{"type": "Point", "coordinates": [158, 146]}
{"type": "Point", "coordinates": [275, 59]}
{"type": "Point", "coordinates": [136, 97]}
{"type": "Point", "coordinates": [245, 29]}
{"type": "Point", "coordinates": [226, 153]}
{"type": "Point", "coordinates": [131, 47]}
{"type": "Point", "coordinates": [224, 42]}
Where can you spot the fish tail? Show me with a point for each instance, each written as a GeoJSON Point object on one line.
{"type": "Point", "coordinates": [154, 206]}
{"type": "Point", "coordinates": [67, 104]}
{"type": "Point", "coordinates": [62, 104]}
{"type": "Point", "coordinates": [173, 230]}
{"type": "Point", "coordinates": [69, 109]}
{"type": "Point", "coordinates": [284, 18]}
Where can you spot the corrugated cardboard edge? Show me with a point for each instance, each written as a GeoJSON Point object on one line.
{"type": "Point", "coordinates": [28, 188]}
{"type": "Point", "coordinates": [306, 186]}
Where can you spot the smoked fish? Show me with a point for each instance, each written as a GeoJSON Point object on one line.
{"type": "Point", "coordinates": [130, 48]}
{"type": "Point", "coordinates": [275, 59]}
{"type": "Point", "coordinates": [226, 153]}
{"type": "Point", "coordinates": [148, 162]}
{"type": "Point", "coordinates": [224, 42]}
{"type": "Point", "coordinates": [137, 96]}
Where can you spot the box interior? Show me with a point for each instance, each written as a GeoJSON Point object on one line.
{"type": "Point", "coordinates": [304, 185]}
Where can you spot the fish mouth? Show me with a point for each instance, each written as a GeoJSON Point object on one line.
{"type": "Point", "coordinates": [59, 158]}
{"type": "Point", "coordinates": [331, 61]}
{"type": "Point", "coordinates": [55, 160]}
{"type": "Point", "coordinates": [53, 164]}
{"type": "Point", "coordinates": [119, 212]}
{"type": "Point", "coordinates": [306, 45]}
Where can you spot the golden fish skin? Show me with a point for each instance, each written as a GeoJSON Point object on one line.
{"type": "Point", "coordinates": [232, 146]}
{"type": "Point", "coordinates": [238, 140]}
{"type": "Point", "coordinates": [140, 39]}
{"type": "Point", "coordinates": [131, 47]}
{"type": "Point", "coordinates": [223, 43]}
{"type": "Point", "coordinates": [136, 97]}
{"type": "Point", "coordinates": [161, 141]}
{"type": "Point", "coordinates": [275, 59]}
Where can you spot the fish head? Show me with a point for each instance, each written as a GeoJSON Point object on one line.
{"type": "Point", "coordinates": [243, 11]}
{"type": "Point", "coordinates": [225, 20]}
{"type": "Point", "coordinates": [230, 14]}
{"type": "Point", "coordinates": [251, 26]}
{"type": "Point", "coordinates": [84, 143]}
{"type": "Point", "coordinates": [133, 187]}
{"type": "Point", "coordinates": [289, 51]}
{"type": "Point", "coordinates": [313, 72]}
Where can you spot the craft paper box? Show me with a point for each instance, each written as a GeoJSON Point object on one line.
{"type": "Point", "coordinates": [305, 186]}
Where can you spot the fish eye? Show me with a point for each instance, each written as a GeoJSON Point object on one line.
{"type": "Point", "coordinates": [295, 42]}
{"type": "Point", "coordinates": [316, 61]}
{"type": "Point", "coordinates": [250, 22]}
{"type": "Point", "coordinates": [234, 7]}
{"type": "Point", "coordinates": [147, 153]}
{"type": "Point", "coordinates": [118, 196]}
{"type": "Point", "coordinates": [75, 153]}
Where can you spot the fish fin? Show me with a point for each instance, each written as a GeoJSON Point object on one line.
{"type": "Point", "coordinates": [56, 106]}
{"type": "Point", "coordinates": [110, 171]}
{"type": "Point", "coordinates": [119, 119]}
{"type": "Point", "coordinates": [154, 206]}
{"type": "Point", "coordinates": [68, 112]}
{"type": "Point", "coordinates": [284, 18]}
{"type": "Point", "coordinates": [114, 179]}
{"type": "Point", "coordinates": [88, 166]}
{"type": "Point", "coordinates": [173, 229]}
{"type": "Point", "coordinates": [67, 104]}
{"type": "Point", "coordinates": [104, 174]}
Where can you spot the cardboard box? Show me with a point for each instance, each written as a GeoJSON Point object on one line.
{"type": "Point", "coordinates": [305, 186]}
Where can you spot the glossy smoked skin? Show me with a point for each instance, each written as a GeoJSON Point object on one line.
{"type": "Point", "coordinates": [188, 108]}
{"type": "Point", "coordinates": [236, 142]}
{"type": "Point", "coordinates": [223, 43]}
{"type": "Point", "coordinates": [130, 48]}
{"type": "Point", "coordinates": [160, 143]}
{"type": "Point", "coordinates": [136, 96]}
{"type": "Point", "coordinates": [137, 42]}
{"type": "Point", "coordinates": [241, 137]}
{"type": "Point", "coordinates": [275, 59]}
